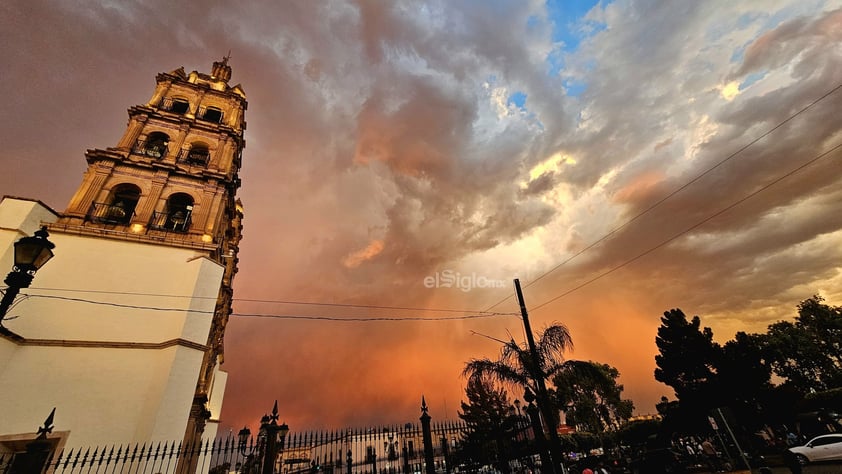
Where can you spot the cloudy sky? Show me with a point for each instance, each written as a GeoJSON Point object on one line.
{"type": "Point", "coordinates": [392, 144]}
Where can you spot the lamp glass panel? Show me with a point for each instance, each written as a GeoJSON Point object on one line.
{"type": "Point", "coordinates": [30, 251]}
{"type": "Point", "coordinates": [43, 257]}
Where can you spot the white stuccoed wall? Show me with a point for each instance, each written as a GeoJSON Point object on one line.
{"type": "Point", "coordinates": [111, 390]}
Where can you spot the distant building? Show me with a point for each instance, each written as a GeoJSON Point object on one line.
{"type": "Point", "coordinates": [389, 450]}
{"type": "Point", "coordinates": [123, 329]}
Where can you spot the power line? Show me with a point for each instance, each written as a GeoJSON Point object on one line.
{"type": "Point", "coordinates": [276, 316]}
{"type": "Point", "coordinates": [673, 193]}
{"type": "Point", "coordinates": [476, 314]}
{"type": "Point", "coordinates": [694, 226]}
{"type": "Point", "coordinates": [369, 319]}
{"type": "Point", "coordinates": [289, 302]}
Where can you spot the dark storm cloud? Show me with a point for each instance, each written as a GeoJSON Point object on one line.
{"type": "Point", "coordinates": [540, 185]}
{"type": "Point", "coordinates": [737, 247]}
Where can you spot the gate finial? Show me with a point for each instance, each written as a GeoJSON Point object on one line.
{"type": "Point", "coordinates": [48, 425]}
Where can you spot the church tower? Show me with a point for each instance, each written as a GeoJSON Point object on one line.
{"type": "Point", "coordinates": [123, 332]}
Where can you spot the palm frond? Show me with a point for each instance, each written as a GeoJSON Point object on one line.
{"type": "Point", "coordinates": [554, 341]}
{"type": "Point", "coordinates": [496, 370]}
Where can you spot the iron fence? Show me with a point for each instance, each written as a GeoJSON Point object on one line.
{"type": "Point", "coordinates": [397, 449]}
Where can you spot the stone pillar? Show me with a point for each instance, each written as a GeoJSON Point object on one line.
{"type": "Point", "coordinates": [159, 94]}
{"type": "Point", "coordinates": [132, 133]}
{"type": "Point", "coordinates": [194, 110]}
{"type": "Point", "coordinates": [175, 145]}
{"type": "Point", "coordinates": [90, 188]}
{"type": "Point", "coordinates": [428, 439]}
{"type": "Point", "coordinates": [207, 213]}
{"type": "Point", "coordinates": [221, 157]}
{"type": "Point", "coordinates": [143, 214]}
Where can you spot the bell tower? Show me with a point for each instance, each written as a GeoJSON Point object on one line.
{"type": "Point", "coordinates": [172, 177]}
{"type": "Point", "coordinates": [147, 248]}
{"type": "Point", "coordinates": [172, 180]}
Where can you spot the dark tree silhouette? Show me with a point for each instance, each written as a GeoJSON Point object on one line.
{"type": "Point", "coordinates": [487, 413]}
{"type": "Point", "coordinates": [687, 356]}
{"type": "Point", "coordinates": [687, 362]}
{"type": "Point", "coordinates": [808, 352]}
{"type": "Point", "coordinates": [590, 396]}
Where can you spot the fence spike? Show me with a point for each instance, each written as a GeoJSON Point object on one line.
{"type": "Point", "coordinates": [56, 460]}
{"type": "Point", "coordinates": [110, 456]}
{"type": "Point", "coordinates": [67, 458]}
{"type": "Point", "coordinates": [143, 452]}
{"type": "Point", "coordinates": [85, 457]}
{"type": "Point", "coordinates": [101, 457]}
{"type": "Point", "coordinates": [134, 453]}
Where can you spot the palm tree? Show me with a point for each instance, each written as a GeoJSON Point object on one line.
{"type": "Point", "coordinates": [517, 366]}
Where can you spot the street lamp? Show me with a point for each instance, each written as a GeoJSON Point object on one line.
{"type": "Point", "coordinates": [31, 253]}
{"type": "Point", "coordinates": [244, 436]}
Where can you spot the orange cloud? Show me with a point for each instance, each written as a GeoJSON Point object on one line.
{"type": "Point", "coordinates": [640, 187]}
{"type": "Point", "coordinates": [355, 259]}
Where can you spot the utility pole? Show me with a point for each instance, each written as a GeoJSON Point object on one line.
{"type": "Point", "coordinates": [542, 396]}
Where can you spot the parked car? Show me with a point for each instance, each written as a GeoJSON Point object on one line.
{"type": "Point", "coordinates": [821, 448]}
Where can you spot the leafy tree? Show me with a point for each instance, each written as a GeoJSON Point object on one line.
{"type": "Point", "coordinates": [590, 396]}
{"type": "Point", "coordinates": [687, 361]}
{"type": "Point", "coordinates": [743, 369]}
{"type": "Point", "coordinates": [487, 414]}
{"type": "Point", "coordinates": [744, 377]}
{"type": "Point", "coordinates": [808, 352]}
{"type": "Point", "coordinates": [687, 356]}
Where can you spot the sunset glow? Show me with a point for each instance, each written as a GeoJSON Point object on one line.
{"type": "Point", "coordinates": [621, 158]}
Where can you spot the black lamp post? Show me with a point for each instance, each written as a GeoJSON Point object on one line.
{"type": "Point", "coordinates": [244, 436]}
{"type": "Point", "coordinates": [31, 253]}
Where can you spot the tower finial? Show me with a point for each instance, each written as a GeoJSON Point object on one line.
{"type": "Point", "coordinates": [221, 70]}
